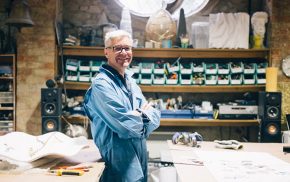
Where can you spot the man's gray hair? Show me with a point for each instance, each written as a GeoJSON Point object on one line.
{"type": "Point", "coordinates": [116, 34]}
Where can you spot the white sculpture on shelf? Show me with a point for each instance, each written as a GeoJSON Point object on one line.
{"type": "Point", "coordinates": [258, 21]}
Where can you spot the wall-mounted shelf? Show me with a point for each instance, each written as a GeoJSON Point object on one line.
{"type": "Point", "coordinates": [187, 122]}
{"type": "Point", "coordinates": [172, 52]}
{"type": "Point", "coordinates": [179, 88]}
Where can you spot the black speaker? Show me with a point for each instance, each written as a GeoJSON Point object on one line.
{"type": "Point", "coordinates": [51, 103]}
{"type": "Point", "coordinates": [51, 109]}
{"type": "Point", "coordinates": [270, 115]}
{"type": "Point", "coordinates": [51, 123]}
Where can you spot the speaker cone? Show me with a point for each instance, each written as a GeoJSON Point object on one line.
{"type": "Point", "coordinates": [50, 125]}
{"type": "Point", "coordinates": [50, 108]}
{"type": "Point", "coordinates": [272, 129]}
{"type": "Point", "coordinates": [272, 112]}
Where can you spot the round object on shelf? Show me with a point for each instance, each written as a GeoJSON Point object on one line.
{"type": "Point", "coordinates": [160, 26]}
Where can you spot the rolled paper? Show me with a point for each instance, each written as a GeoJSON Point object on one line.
{"type": "Point", "coordinates": [271, 79]}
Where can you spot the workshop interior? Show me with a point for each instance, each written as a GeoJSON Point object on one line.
{"type": "Point", "coordinates": [218, 72]}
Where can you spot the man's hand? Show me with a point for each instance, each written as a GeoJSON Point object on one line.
{"type": "Point", "coordinates": [146, 106]}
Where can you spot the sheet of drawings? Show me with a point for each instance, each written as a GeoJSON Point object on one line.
{"type": "Point", "coordinates": [229, 166]}
{"type": "Point", "coordinates": [23, 147]}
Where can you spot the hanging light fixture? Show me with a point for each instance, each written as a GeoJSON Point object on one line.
{"type": "Point", "coordinates": [19, 16]}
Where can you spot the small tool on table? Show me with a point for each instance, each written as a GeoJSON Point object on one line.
{"type": "Point", "coordinates": [60, 172]}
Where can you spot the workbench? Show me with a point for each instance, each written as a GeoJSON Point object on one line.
{"type": "Point", "coordinates": [188, 173]}
{"type": "Point", "coordinates": [88, 155]}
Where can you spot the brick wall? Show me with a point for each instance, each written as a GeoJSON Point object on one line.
{"type": "Point", "coordinates": [280, 46]}
{"type": "Point", "coordinates": [35, 63]}
{"type": "Point", "coordinates": [36, 48]}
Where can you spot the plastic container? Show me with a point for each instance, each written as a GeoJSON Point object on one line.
{"type": "Point", "coordinates": [236, 79]}
{"type": "Point", "coordinates": [71, 65]}
{"type": "Point", "coordinates": [146, 79]}
{"type": "Point", "coordinates": [95, 65]}
{"type": "Point", "coordinates": [185, 79]}
{"type": "Point", "coordinates": [71, 76]}
{"type": "Point", "coordinates": [200, 34]}
{"type": "Point", "coordinates": [186, 68]}
{"type": "Point", "coordinates": [186, 114]}
{"type": "Point", "coordinates": [159, 79]}
{"type": "Point", "coordinates": [249, 79]}
{"type": "Point", "coordinates": [84, 65]}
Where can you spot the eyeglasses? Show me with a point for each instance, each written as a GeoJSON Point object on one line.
{"type": "Point", "coordinates": [120, 48]}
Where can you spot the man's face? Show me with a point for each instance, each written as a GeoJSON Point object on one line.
{"type": "Point", "coordinates": [119, 53]}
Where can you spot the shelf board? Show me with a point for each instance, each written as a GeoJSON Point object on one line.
{"type": "Point", "coordinates": [5, 127]}
{"type": "Point", "coordinates": [6, 121]}
{"type": "Point", "coordinates": [201, 89]}
{"type": "Point", "coordinates": [6, 78]}
{"type": "Point", "coordinates": [180, 88]}
{"type": "Point", "coordinates": [172, 52]}
{"type": "Point", "coordinates": [186, 122]}
{"type": "Point", "coordinates": [207, 122]}
{"type": "Point", "coordinates": [6, 108]}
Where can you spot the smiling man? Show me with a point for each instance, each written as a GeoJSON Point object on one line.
{"type": "Point", "coordinates": [121, 118]}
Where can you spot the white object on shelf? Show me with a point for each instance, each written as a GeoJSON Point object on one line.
{"type": "Point", "coordinates": [229, 30]}
{"type": "Point", "coordinates": [200, 34]}
{"type": "Point", "coordinates": [125, 23]}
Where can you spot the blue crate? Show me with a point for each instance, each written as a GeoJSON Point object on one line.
{"type": "Point", "coordinates": [184, 114]}
{"type": "Point", "coordinates": [203, 115]}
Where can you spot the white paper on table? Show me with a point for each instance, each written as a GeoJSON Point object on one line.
{"type": "Point", "coordinates": [23, 147]}
{"type": "Point", "coordinates": [228, 166]}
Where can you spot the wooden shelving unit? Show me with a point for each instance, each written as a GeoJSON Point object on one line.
{"type": "Point", "coordinates": [179, 88]}
{"type": "Point", "coordinates": [7, 93]}
{"type": "Point", "coordinates": [259, 54]}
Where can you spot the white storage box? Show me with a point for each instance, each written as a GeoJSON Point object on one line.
{"type": "Point", "coordinates": [135, 67]}
{"type": "Point", "coordinates": [261, 78]}
{"type": "Point", "coordinates": [249, 68]}
{"type": "Point", "coordinates": [146, 68]}
{"type": "Point", "coordinates": [159, 79]}
{"type": "Point", "coordinates": [95, 65]}
{"type": "Point", "coordinates": [223, 80]}
{"type": "Point", "coordinates": [223, 68]}
{"type": "Point", "coordinates": [198, 67]}
{"type": "Point", "coordinates": [185, 79]}
{"type": "Point", "coordinates": [84, 65]}
{"type": "Point", "coordinates": [84, 76]}
{"type": "Point", "coordinates": [236, 79]}
{"type": "Point", "coordinates": [146, 79]}
{"type": "Point", "coordinates": [186, 68]}
{"type": "Point", "coordinates": [211, 68]}
{"type": "Point", "coordinates": [173, 67]}
{"type": "Point", "coordinates": [261, 67]}
{"type": "Point", "coordinates": [71, 76]}
{"type": "Point", "coordinates": [71, 65]}
{"type": "Point", "coordinates": [211, 79]}
{"type": "Point", "coordinates": [198, 79]}
{"type": "Point", "coordinates": [249, 79]}
{"type": "Point", "coordinates": [236, 67]}
{"type": "Point", "coordinates": [159, 68]}
{"type": "Point", "coordinates": [171, 81]}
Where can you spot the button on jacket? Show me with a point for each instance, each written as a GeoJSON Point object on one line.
{"type": "Point", "coordinates": [120, 133]}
